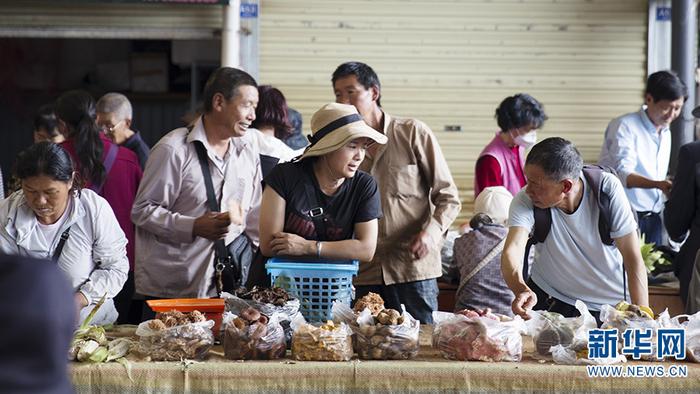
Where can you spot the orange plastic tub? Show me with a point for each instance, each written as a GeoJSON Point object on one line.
{"type": "Point", "coordinates": [212, 308]}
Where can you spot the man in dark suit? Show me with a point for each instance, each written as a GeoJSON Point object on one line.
{"type": "Point", "coordinates": [38, 321]}
{"type": "Point", "coordinates": [682, 214]}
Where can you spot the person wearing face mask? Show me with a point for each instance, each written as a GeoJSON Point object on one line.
{"type": "Point", "coordinates": [502, 160]}
{"type": "Point", "coordinates": [323, 206]}
{"type": "Point", "coordinates": [638, 146]}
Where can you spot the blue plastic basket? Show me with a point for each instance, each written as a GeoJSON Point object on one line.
{"type": "Point", "coordinates": [316, 284]}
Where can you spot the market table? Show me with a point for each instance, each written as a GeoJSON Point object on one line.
{"type": "Point", "coordinates": [429, 372]}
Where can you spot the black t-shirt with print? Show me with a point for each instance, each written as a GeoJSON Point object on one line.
{"type": "Point", "coordinates": [356, 201]}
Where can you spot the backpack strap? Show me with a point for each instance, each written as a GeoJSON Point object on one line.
{"type": "Point", "coordinates": [543, 223]}
{"type": "Point", "coordinates": [594, 175]}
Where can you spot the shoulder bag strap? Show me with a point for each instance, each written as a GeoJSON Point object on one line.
{"type": "Point", "coordinates": [490, 256]}
{"type": "Point", "coordinates": [317, 212]}
{"type": "Point", "coordinates": [220, 251]}
{"type": "Point", "coordinates": [61, 243]}
{"type": "Point", "coordinates": [108, 163]}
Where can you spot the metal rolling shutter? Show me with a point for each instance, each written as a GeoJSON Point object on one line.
{"type": "Point", "coordinates": [452, 62]}
{"type": "Point", "coordinates": [59, 19]}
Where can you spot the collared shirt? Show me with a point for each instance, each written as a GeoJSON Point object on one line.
{"type": "Point", "coordinates": [417, 193]}
{"type": "Point", "coordinates": [93, 256]}
{"type": "Point", "coordinates": [170, 260]}
{"type": "Point", "coordinates": [633, 146]}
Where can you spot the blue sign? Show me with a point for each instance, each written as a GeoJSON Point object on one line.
{"type": "Point", "coordinates": [663, 14]}
{"type": "Point", "coordinates": [249, 10]}
{"type": "Point", "coordinates": [602, 343]}
{"type": "Point", "coordinates": [670, 343]}
{"type": "Point", "coordinates": [637, 342]}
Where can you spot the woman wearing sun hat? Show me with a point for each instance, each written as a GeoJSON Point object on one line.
{"type": "Point", "coordinates": [321, 205]}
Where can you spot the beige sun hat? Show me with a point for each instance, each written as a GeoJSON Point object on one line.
{"type": "Point", "coordinates": [334, 125]}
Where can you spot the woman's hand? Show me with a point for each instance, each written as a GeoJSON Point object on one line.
{"type": "Point", "coordinates": [288, 244]}
{"type": "Point", "coordinates": [80, 303]}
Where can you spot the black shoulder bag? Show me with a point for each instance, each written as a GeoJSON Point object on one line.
{"type": "Point", "coordinates": [231, 263]}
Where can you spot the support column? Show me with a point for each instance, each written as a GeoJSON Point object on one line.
{"type": "Point", "coordinates": [683, 60]}
{"type": "Point", "coordinates": [230, 41]}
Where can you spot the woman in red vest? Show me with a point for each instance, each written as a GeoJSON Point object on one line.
{"type": "Point", "coordinates": [502, 160]}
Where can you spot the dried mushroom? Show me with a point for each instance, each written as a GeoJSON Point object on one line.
{"type": "Point", "coordinates": [275, 295]}
{"type": "Point", "coordinates": [372, 301]}
{"type": "Point", "coordinates": [252, 336]}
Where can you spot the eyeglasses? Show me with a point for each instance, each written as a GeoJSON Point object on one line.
{"type": "Point", "coordinates": [110, 129]}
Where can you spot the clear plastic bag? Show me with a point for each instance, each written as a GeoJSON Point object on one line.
{"type": "Point", "coordinates": [187, 341]}
{"type": "Point", "coordinates": [623, 320]}
{"type": "Point", "coordinates": [576, 352]}
{"type": "Point", "coordinates": [285, 313]}
{"type": "Point", "coordinates": [692, 334]}
{"type": "Point", "coordinates": [458, 337]}
{"type": "Point", "coordinates": [328, 342]}
{"type": "Point", "coordinates": [568, 355]}
{"type": "Point", "coordinates": [378, 341]}
{"type": "Point", "coordinates": [549, 329]}
{"type": "Point", "coordinates": [255, 341]}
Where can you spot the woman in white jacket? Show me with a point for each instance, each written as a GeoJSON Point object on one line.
{"type": "Point", "coordinates": [50, 217]}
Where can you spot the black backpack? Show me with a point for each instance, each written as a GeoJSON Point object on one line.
{"type": "Point", "coordinates": [543, 217]}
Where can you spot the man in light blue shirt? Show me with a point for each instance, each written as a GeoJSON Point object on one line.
{"type": "Point", "coordinates": [572, 263]}
{"type": "Point", "coordinates": [638, 146]}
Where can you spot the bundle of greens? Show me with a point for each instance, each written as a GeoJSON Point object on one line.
{"type": "Point", "coordinates": [651, 256]}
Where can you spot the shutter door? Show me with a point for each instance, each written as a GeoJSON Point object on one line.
{"type": "Point", "coordinates": [59, 19]}
{"type": "Point", "coordinates": [452, 62]}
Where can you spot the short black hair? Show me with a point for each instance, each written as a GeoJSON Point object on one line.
{"type": "Point", "coordinates": [666, 85]}
{"type": "Point", "coordinates": [558, 158]}
{"type": "Point", "coordinates": [364, 73]}
{"type": "Point", "coordinates": [226, 81]}
{"type": "Point", "coordinates": [520, 110]}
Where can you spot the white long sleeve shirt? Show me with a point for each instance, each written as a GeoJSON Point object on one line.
{"type": "Point", "coordinates": [93, 257]}
{"type": "Point", "coordinates": [633, 146]}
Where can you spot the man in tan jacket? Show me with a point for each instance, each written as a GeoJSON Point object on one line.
{"type": "Point", "coordinates": [418, 195]}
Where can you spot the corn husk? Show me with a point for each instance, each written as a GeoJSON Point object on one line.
{"type": "Point", "coordinates": [86, 350]}
{"type": "Point", "coordinates": [90, 343]}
